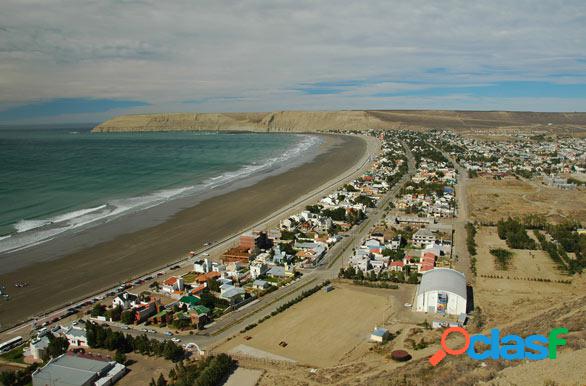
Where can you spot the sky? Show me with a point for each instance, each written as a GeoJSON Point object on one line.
{"type": "Point", "coordinates": [89, 60]}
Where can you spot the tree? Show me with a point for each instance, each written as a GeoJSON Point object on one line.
{"type": "Point", "coordinates": [8, 378]}
{"type": "Point", "coordinates": [213, 285]}
{"type": "Point", "coordinates": [57, 346]}
{"type": "Point", "coordinates": [98, 310]}
{"type": "Point", "coordinates": [127, 317]}
{"type": "Point", "coordinates": [365, 200]}
{"type": "Point", "coordinates": [161, 381]}
{"type": "Point", "coordinates": [114, 313]}
{"type": "Point", "coordinates": [120, 357]}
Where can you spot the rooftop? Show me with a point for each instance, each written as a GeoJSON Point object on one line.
{"type": "Point", "coordinates": [443, 279]}
{"type": "Point", "coordinates": [70, 370]}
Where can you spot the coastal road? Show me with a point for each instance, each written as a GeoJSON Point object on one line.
{"type": "Point", "coordinates": [234, 322]}
{"type": "Point", "coordinates": [219, 246]}
{"type": "Point", "coordinates": [329, 268]}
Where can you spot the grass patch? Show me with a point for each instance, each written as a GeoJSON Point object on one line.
{"type": "Point", "coordinates": [502, 258]}
{"type": "Point", "coordinates": [190, 277]}
{"type": "Point", "coordinates": [14, 355]}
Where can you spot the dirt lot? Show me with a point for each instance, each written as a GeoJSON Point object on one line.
{"type": "Point", "coordinates": [327, 328]}
{"type": "Point", "coordinates": [490, 200]}
{"type": "Point", "coordinates": [515, 298]}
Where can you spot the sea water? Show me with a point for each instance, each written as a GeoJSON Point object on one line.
{"type": "Point", "coordinates": [55, 180]}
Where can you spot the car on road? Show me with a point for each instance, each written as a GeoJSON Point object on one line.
{"type": "Point", "coordinates": [144, 330]}
{"type": "Point", "coordinates": [175, 340]}
{"type": "Point", "coordinates": [151, 331]}
{"type": "Point", "coordinates": [125, 328]}
{"type": "Point", "coordinates": [205, 254]}
{"type": "Point", "coordinates": [168, 333]}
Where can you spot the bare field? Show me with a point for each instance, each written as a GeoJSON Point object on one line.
{"type": "Point", "coordinates": [514, 298]}
{"type": "Point", "coordinates": [325, 328]}
{"type": "Point", "coordinates": [490, 200]}
{"type": "Point", "coordinates": [143, 368]}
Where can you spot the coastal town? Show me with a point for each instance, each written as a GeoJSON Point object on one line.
{"type": "Point", "coordinates": [395, 242]}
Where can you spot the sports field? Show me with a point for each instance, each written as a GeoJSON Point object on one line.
{"type": "Point", "coordinates": [325, 328]}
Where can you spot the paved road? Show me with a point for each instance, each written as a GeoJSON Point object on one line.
{"type": "Point", "coordinates": [462, 264]}
{"type": "Point", "coordinates": [339, 254]}
{"type": "Point", "coordinates": [185, 263]}
{"type": "Point", "coordinates": [334, 259]}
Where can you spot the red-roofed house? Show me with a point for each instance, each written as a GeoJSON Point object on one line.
{"type": "Point", "coordinates": [213, 275]}
{"type": "Point", "coordinates": [396, 266]}
{"type": "Point", "coordinates": [172, 284]}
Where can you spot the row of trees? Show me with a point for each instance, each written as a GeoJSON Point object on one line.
{"type": "Point", "coordinates": [556, 252]}
{"type": "Point", "coordinates": [285, 306]}
{"type": "Point", "coordinates": [18, 378]}
{"type": "Point", "coordinates": [471, 245]}
{"type": "Point", "coordinates": [396, 277]}
{"type": "Point", "coordinates": [565, 236]}
{"type": "Point", "coordinates": [210, 371]}
{"type": "Point", "coordinates": [340, 214]}
{"type": "Point", "coordinates": [514, 232]}
{"type": "Point", "coordinates": [103, 337]}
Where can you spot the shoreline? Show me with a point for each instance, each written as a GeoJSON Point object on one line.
{"type": "Point", "coordinates": [103, 266]}
{"type": "Point", "coordinates": [109, 228]}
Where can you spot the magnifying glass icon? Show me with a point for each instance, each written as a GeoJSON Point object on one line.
{"type": "Point", "coordinates": [445, 350]}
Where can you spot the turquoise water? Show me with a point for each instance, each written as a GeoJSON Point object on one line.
{"type": "Point", "coordinates": [55, 180]}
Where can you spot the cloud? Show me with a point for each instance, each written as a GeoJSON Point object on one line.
{"type": "Point", "coordinates": [263, 55]}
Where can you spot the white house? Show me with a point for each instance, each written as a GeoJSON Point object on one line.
{"type": "Point", "coordinates": [379, 335]}
{"type": "Point", "coordinates": [125, 300]}
{"type": "Point", "coordinates": [202, 266]}
{"type": "Point", "coordinates": [443, 291]}
{"type": "Point", "coordinates": [257, 269]}
{"type": "Point", "coordinates": [172, 284]}
{"type": "Point", "coordinates": [76, 336]}
{"type": "Point", "coordinates": [423, 237]}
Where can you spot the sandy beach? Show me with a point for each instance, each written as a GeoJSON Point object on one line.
{"type": "Point", "coordinates": [56, 282]}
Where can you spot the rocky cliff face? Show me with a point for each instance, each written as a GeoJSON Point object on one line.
{"type": "Point", "coordinates": [284, 121]}
{"type": "Point", "coordinates": [316, 121]}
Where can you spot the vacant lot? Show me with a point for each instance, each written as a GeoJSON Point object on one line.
{"type": "Point", "coordinates": [513, 296]}
{"type": "Point", "coordinates": [143, 368]}
{"type": "Point", "coordinates": [325, 328]}
{"type": "Point", "coordinates": [490, 200]}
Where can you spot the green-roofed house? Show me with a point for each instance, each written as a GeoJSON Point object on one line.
{"type": "Point", "coordinates": [199, 315]}
{"type": "Point", "coordinates": [190, 301]}
{"type": "Point", "coordinates": [201, 310]}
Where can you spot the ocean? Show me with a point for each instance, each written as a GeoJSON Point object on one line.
{"type": "Point", "coordinates": [57, 180]}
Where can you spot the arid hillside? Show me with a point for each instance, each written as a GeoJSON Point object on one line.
{"type": "Point", "coordinates": [314, 121]}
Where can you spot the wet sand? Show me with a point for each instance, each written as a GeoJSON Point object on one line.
{"type": "Point", "coordinates": [102, 266]}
